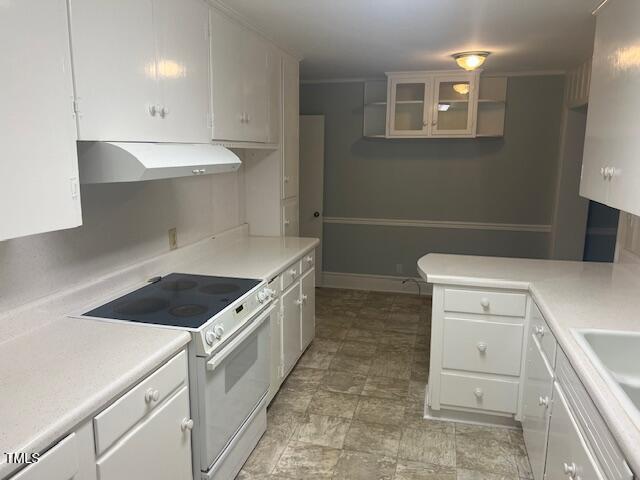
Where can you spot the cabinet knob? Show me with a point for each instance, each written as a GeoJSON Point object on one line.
{"type": "Point", "coordinates": [287, 223]}
{"type": "Point", "coordinates": [285, 179]}
{"type": "Point", "coordinates": [293, 272]}
{"type": "Point", "coordinates": [304, 298]}
{"type": "Point", "coordinates": [482, 347]}
{"type": "Point", "coordinates": [478, 393]}
{"type": "Point", "coordinates": [308, 259]}
{"type": "Point", "coordinates": [543, 401]}
{"type": "Point", "coordinates": [151, 395]}
{"type": "Point", "coordinates": [164, 111]}
{"type": "Point", "coordinates": [539, 330]}
{"type": "Point", "coordinates": [187, 424]}
{"type": "Point", "coordinates": [570, 469]}
{"type": "Point", "coordinates": [484, 302]}
{"type": "Point", "coordinates": [299, 301]}
{"type": "Point", "coordinates": [152, 110]}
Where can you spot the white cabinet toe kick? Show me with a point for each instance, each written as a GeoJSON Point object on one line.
{"type": "Point", "coordinates": [494, 360]}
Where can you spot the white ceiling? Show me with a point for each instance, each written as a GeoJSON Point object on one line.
{"type": "Point", "coordinates": [365, 38]}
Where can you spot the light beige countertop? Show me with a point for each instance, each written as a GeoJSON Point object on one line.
{"type": "Point", "coordinates": [56, 376]}
{"type": "Point", "coordinates": [570, 295]}
{"type": "Point", "coordinates": [56, 371]}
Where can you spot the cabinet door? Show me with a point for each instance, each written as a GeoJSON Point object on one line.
{"type": "Point", "coordinates": [114, 62]}
{"type": "Point", "coordinates": [538, 386]}
{"type": "Point", "coordinates": [290, 220]}
{"type": "Point", "coordinates": [454, 106]}
{"type": "Point", "coordinates": [612, 138]}
{"type": "Point", "coordinates": [158, 448]}
{"type": "Point", "coordinates": [182, 30]}
{"type": "Point", "coordinates": [408, 107]}
{"type": "Point", "coordinates": [256, 79]}
{"type": "Point", "coordinates": [227, 69]}
{"type": "Point", "coordinates": [291, 127]}
{"type": "Point", "coordinates": [308, 314]}
{"type": "Point", "coordinates": [275, 96]}
{"type": "Point", "coordinates": [39, 167]}
{"type": "Point", "coordinates": [567, 451]}
{"type": "Point", "coordinates": [277, 370]}
{"type": "Point", "coordinates": [291, 326]}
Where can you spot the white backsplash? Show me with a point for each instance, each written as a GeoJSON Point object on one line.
{"type": "Point", "coordinates": [122, 224]}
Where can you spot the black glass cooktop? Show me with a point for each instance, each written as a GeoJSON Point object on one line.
{"type": "Point", "coordinates": [177, 300]}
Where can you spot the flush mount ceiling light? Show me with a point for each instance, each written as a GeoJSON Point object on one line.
{"type": "Point", "coordinates": [443, 107]}
{"type": "Point", "coordinates": [461, 88]}
{"type": "Point", "coordinates": [470, 60]}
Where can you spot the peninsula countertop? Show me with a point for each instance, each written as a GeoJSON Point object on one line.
{"type": "Point", "coordinates": [570, 295]}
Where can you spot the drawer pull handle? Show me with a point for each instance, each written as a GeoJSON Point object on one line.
{"type": "Point", "coordinates": [187, 424]}
{"type": "Point", "coordinates": [539, 330]}
{"type": "Point", "coordinates": [309, 258]}
{"type": "Point", "coordinates": [570, 469]}
{"type": "Point", "coordinates": [293, 272]}
{"type": "Point", "coordinates": [482, 347]}
{"type": "Point", "coordinates": [478, 393]}
{"type": "Point", "coordinates": [484, 302]}
{"type": "Point", "coordinates": [543, 401]}
{"type": "Point", "coordinates": [151, 395]}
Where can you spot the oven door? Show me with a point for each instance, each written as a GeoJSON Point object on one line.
{"type": "Point", "coordinates": [231, 384]}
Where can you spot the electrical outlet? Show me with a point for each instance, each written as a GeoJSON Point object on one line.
{"type": "Point", "coordinates": [173, 238]}
{"type": "Point", "coordinates": [399, 268]}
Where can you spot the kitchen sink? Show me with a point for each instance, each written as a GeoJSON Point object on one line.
{"type": "Point", "coordinates": [616, 354]}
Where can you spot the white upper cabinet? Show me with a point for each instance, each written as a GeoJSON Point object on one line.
{"type": "Point", "coordinates": [291, 127]}
{"type": "Point", "coordinates": [454, 105]}
{"type": "Point", "coordinates": [141, 69]}
{"type": "Point", "coordinates": [39, 168]}
{"type": "Point", "coordinates": [183, 69]}
{"type": "Point", "coordinates": [432, 104]}
{"type": "Point", "coordinates": [409, 105]}
{"type": "Point", "coordinates": [242, 66]}
{"type": "Point", "coordinates": [610, 168]}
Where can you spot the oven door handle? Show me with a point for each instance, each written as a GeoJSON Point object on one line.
{"type": "Point", "coordinates": [215, 361]}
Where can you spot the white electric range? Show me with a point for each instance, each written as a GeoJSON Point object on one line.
{"type": "Point", "coordinates": [228, 357]}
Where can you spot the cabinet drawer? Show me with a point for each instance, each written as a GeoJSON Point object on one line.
{"type": "Point", "coordinates": [484, 302]}
{"type": "Point", "coordinates": [59, 463]}
{"type": "Point", "coordinates": [308, 261]}
{"type": "Point", "coordinates": [591, 424]}
{"type": "Point", "coordinates": [159, 448]}
{"type": "Point", "coordinates": [290, 275]}
{"type": "Point", "coordinates": [113, 422]}
{"type": "Point", "coordinates": [479, 346]}
{"type": "Point", "coordinates": [477, 392]}
{"type": "Point", "coordinates": [540, 330]}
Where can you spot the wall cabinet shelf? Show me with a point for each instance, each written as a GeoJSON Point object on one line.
{"type": "Point", "coordinates": [434, 105]}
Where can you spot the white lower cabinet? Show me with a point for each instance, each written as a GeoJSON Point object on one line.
{"type": "Point", "coordinates": [568, 455]}
{"type": "Point", "coordinates": [536, 407]}
{"type": "Point", "coordinates": [308, 308]}
{"type": "Point", "coordinates": [290, 327]}
{"type": "Point", "coordinates": [61, 462]}
{"type": "Point", "coordinates": [294, 328]}
{"type": "Point", "coordinates": [158, 448]}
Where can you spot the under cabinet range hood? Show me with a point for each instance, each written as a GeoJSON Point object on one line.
{"type": "Point", "coordinates": [111, 162]}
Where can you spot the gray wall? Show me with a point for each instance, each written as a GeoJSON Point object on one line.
{"type": "Point", "coordinates": [507, 180]}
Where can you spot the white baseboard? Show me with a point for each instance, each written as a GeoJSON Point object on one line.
{"type": "Point", "coordinates": [378, 283]}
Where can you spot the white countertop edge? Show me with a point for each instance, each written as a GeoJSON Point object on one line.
{"type": "Point", "coordinates": [614, 414]}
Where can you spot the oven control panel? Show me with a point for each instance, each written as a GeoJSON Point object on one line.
{"type": "Point", "coordinates": [225, 325]}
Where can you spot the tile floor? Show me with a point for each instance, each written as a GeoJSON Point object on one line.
{"type": "Point", "coordinates": [352, 406]}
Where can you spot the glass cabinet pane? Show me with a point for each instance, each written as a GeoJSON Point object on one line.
{"type": "Point", "coordinates": [453, 105]}
{"type": "Point", "coordinates": [409, 106]}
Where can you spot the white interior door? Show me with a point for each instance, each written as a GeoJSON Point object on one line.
{"type": "Point", "coordinates": [312, 182]}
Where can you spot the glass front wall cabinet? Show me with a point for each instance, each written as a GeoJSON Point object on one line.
{"type": "Point", "coordinates": [454, 105]}
{"type": "Point", "coordinates": [409, 107]}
